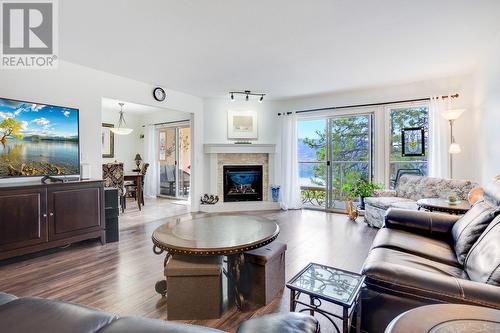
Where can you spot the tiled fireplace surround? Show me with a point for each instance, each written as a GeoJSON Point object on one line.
{"type": "Point", "coordinates": [233, 154]}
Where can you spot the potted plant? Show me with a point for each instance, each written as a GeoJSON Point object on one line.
{"type": "Point", "coordinates": [365, 189]}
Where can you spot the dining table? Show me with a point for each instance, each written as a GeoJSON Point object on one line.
{"type": "Point", "coordinates": [137, 178]}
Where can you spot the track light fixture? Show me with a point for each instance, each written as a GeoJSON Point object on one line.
{"type": "Point", "coordinates": [247, 94]}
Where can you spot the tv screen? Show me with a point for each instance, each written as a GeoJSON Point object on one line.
{"type": "Point", "coordinates": [38, 139]}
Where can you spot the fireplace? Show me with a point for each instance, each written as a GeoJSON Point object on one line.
{"type": "Point", "coordinates": [242, 183]}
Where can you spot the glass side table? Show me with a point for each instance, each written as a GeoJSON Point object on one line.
{"type": "Point", "coordinates": [330, 284]}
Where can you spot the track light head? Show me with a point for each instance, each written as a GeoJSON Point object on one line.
{"type": "Point", "coordinates": [246, 98]}
{"type": "Point", "coordinates": [261, 98]}
{"type": "Point", "coordinates": [232, 97]}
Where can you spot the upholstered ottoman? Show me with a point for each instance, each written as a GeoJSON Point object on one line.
{"type": "Point", "coordinates": [263, 274]}
{"type": "Point", "coordinates": [194, 288]}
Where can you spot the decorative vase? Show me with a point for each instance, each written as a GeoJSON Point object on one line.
{"type": "Point", "coordinates": [275, 193]}
{"type": "Point", "coordinates": [351, 211]}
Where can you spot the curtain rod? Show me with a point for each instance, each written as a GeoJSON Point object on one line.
{"type": "Point", "coordinates": [169, 122]}
{"type": "Point", "coordinates": [365, 105]}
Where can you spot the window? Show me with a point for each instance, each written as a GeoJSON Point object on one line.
{"type": "Point", "coordinates": [401, 118]}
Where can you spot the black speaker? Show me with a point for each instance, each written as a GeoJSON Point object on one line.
{"type": "Point", "coordinates": [111, 212]}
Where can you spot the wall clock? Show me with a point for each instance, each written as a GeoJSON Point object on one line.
{"type": "Point", "coordinates": [159, 94]}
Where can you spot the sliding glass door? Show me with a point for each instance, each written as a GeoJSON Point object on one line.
{"type": "Point", "coordinates": [350, 154]}
{"type": "Point", "coordinates": [174, 154]}
{"type": "Point", "coordinates": [333, 152]}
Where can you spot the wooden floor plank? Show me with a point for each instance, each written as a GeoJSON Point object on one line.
{"type": "Point", "coordinates": [120, 277]}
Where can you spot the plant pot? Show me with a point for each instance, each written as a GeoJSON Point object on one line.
{"type": "Point", "coordinates": [361, 203]}
{"type": "Point", "coordinates": [350, 210]}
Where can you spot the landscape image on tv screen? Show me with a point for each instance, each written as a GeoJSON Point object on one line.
{"type": "Point", "coordinates": [37, 139]}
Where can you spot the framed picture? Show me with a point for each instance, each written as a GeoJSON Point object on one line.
{"type": "Point", "coordinates": [242, 125]}
{"type": "Point", "coordinates": [413, 141]}
{"type": "Point", "coordinates": [107, 141]}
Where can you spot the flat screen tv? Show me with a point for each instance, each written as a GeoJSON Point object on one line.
{"type": "Point", "coordinates": [38, 139]}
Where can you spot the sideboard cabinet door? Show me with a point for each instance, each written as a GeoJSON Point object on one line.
{"type": "Point", "coordinates": [74, 210]}
{"type": "Point", "coordinates": [23, 219]}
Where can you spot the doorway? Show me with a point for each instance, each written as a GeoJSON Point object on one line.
{"type": "Point", "coordinates": [174, 155]}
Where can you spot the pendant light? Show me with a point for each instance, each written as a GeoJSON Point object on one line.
{"type": "Point", "coordinates": [122, 125]}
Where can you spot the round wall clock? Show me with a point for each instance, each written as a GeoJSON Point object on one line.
{"type": "Point", "coordinates": [159, 94]}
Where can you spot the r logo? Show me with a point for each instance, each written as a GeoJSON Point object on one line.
{"type": "Point", "coordinates": [27, 27]}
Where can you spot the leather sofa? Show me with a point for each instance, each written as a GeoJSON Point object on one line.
{"type": "Point", "coordinates": [32, 314]}
{"type": "Point", "coordinates": [423, 258]}
{"type": "Point", "coordinates": [409, 189]}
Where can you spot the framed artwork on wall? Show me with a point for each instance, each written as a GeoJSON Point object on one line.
{"type": "Point", "coordinates": [242, 124]}
{"type": "Point", "coordinates": [413, 141]}
{"type": "Point", "coordinates": [107, 141]}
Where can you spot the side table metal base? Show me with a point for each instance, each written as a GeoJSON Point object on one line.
{"type": "Point", "coordinates": [314, 306]}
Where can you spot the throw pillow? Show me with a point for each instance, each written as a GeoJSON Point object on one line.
{"type": "Point", "coordinates": [469, 227]}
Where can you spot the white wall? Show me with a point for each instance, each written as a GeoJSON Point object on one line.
{"type": "Point", "coordinates": [216, 119]}
{"type": "Point", "coordinates": [215, 126]}
{"type": "Point", "coordinates": [465, 164]}
{"type": "Point", "coordinates": [126, 146]}
{"type": "Point", "coordinates": [83, 88]}
{"type": "Point", "coordinates": [486, 133]}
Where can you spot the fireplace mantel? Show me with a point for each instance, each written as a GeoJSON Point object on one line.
{"type": "Point", "coordinates": [232, 148]}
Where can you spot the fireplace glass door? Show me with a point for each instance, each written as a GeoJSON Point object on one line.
{"type": "Point", "coordinates": [242, 183]}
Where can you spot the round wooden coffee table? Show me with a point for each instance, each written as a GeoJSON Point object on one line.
{"type": "Point", "coordinates": [442, 205]}
{"type": "Point", "coordinates": [228, 235]}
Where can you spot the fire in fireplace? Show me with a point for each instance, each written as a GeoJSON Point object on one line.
{"type": "Point", "coordinates": [242, 183]}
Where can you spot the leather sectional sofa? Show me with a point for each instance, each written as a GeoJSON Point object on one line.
{"type": "Point", "coordinates": [423, 258]}
{"type": "Point", "coordinates": [38, 315]}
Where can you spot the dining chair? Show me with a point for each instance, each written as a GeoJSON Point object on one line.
{"type": "Point", "coordinates": [132, 188]}
{"type": "Point", "coordinates": [113, 176]}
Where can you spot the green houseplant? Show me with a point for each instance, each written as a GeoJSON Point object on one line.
{"type": "Point", "coordinates": [361, 189]}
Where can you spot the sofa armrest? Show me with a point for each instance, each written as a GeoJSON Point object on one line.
{"type": "Point", "coordinates": [435, 225]}
{"type": "Point", "coordinates": [384, 193]}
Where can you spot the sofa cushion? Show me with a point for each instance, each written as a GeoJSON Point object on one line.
{"type": "Point", "coordinates": [417, 187]}
{"type": "Point", "coordinates": [384, 202]}
{"type": "Point", "coordinates": [469, 227]}
{"type": "Point", "coordinates": [39, 315]}
{"type": "Point", "coordinates": [421, 246]}
{"type": "Point", "coordinates": [482, 264]}
{"type": "Point", "coordinates": [143, 325]}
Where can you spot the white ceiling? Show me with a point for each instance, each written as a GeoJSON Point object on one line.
{"type": "Point", "coordinates": [283, 47]}
{"type": "Point", "coordinates": [129, 108]}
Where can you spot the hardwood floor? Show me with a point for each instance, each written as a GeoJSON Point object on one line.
{"type": "Point", "coordinates": [120, 277]}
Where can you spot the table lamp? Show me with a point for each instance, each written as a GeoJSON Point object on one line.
{"type": "Point", "coordinates": [138, 160]}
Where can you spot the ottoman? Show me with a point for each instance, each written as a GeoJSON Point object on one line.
{"type": "Point", "coordinates": [444, 318]}
{"type": "Point", "coordinates": [195, 288]}
{"type": "Point", "coordinates": [263, 274]}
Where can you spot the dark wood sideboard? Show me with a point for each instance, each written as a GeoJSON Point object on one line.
{"type": "Point", "coordinates": [35, 216]}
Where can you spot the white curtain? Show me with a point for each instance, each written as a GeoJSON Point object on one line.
{"type": "Point", "coordinates": [290, 188]}
{"type": "Point", "coordinates": [439, 138]}
{"type": "Point", "coordinates": [152, 179]}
